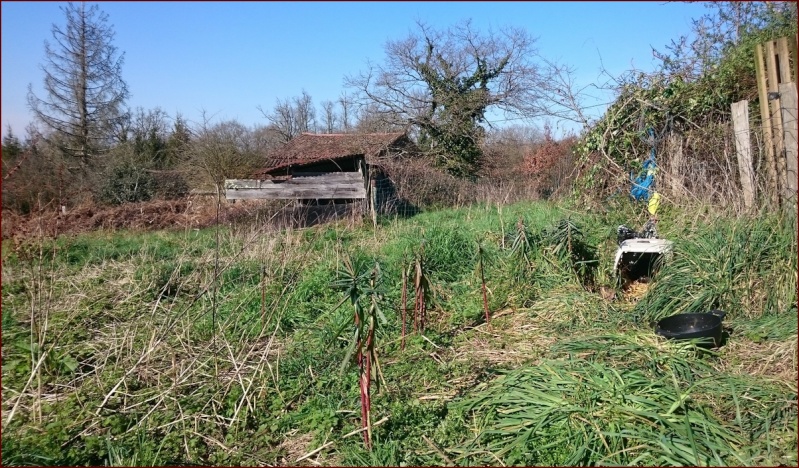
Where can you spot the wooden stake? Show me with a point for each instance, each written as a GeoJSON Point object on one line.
{"type": "Point", "coordinates": [740, 125]}
{"type": "Point", "coordinates": [762, 89]}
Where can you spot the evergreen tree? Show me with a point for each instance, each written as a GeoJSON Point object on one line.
{"type": "Point", "coordinates": [83, 83]}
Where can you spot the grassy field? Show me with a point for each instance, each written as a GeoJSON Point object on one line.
{"type": "Point", "coordinates": [237, 345]}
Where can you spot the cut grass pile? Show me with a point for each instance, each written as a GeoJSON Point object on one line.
{"type": "Point", "coordinates": [160, 349]}
{"type": "Point", "coordinates": [579, 413]}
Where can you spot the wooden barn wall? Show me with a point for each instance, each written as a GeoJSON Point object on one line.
{"type": "Point", "coordinates": [336, 185]}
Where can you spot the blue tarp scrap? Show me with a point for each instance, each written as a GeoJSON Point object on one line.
{"type": "Point", "coordinates": [643, 186]}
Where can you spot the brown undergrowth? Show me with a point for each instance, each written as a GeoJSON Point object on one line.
{"type": "Point", "coordinates": [189, 213]}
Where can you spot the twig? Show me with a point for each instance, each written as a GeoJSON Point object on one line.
{"type": "Point", "coordinates": [130, 371]}
{"type": "Point", "coordinates": [25, 388]}
{"type": "Point", "coordinates": [438, 450]}
{"type": "Point", "coordinates": [211, 439]}
{"type": "Point", "coordinates": [436, 357]}
{"type": "Point", "coordinates": [478, 328]}
{"type": "Point", "coordinates": [314, 452]}
{"type": "Point", "coordinates": [444, 396]}
{"type": "Point", "coordinates": [349, 434]}
{"type": "Point", "coordinates": [358, 431]}
{"type": "Point", "coordinates": [428, 340]}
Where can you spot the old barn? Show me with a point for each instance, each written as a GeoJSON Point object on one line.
{"type": "Point", "coordinates": [338, 167]}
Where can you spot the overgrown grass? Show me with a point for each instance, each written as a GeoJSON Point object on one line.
{"type": "Point", "coordinates": [132, 348]}
{"type": "Point", "coordinates": [748, 267]}
{"type": "Point", "coordinates": [580, 413]}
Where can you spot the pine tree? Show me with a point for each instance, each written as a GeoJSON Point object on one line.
{"type": "Point", "coordinates": [83, 82]}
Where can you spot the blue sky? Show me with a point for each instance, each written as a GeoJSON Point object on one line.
{"type": "Point", "coordinates": [227, 58]}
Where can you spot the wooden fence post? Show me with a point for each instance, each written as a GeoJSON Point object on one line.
{"type": "Point", "coordinates": [768, 141]}
{"type": "Point", "coordinates": [740, 126]}
{"type": "Point", "coordinates": [774, 76]}
{"type": "Point", "coordinates": [675, 148]}
{"type": "Point", "coordinates": [789, 116]}
{"type": "Point", "coordinates": [773, 67]}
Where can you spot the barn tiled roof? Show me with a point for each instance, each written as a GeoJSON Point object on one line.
{"type": "Point", "coordinates": [312, 147]}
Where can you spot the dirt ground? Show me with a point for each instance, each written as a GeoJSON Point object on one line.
{"type": "Point", "coordinates": [198, 212]}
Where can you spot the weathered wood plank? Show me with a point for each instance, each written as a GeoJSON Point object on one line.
{"type": "Point", "coordinates": [296, 183]}
{"type": "Point", "coordinates": [789, 118]}
{"type": "Point", "coordinates": [284, 191]}
{"type": "Point", "coordinates": [783, 55]}
{"type": "Point", "coordinates": [304, 185]}
{"type": "Point", "coordinates": [330, 175]}
{"type": "Point", "coordinates": [792, 46]}
{"type": "Point", "coordinates": [776, 116]}
{"type": "Point", "coordinates": [268, 187]}
{"type": "Point", "coordinates": [740, 125]}
{"type": "Point", "coordinates": [257, 194]}
{"type": "Point", "coordinates": [675, 148]}
{"type": "Point", "coordinates": [768, 140]}
{"type": "Point", "coordinates": [336, 177]}
{"type": "Point", "coordinates": [326, 174]}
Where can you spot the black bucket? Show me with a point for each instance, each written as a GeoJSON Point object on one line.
{"type": "Point", "coordinates": [690, 326]}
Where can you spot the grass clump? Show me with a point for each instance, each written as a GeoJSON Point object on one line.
{"type": "Point", "coordinates": [744, 267]}
{"type": "Point", "coordinates": [584, 413]}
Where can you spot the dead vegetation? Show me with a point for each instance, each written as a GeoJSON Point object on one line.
{"type": "Point", "coordinates": [189, 213]}
{"type": "Point", "coordinates": [511, 340]}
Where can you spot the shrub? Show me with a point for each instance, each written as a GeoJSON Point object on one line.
{"type": "Point", "coordinates": [169, 185]}
{"type": "Point", "coordinates": [127, 183]}
{"type": "Point", "coordinates": [548, 164]}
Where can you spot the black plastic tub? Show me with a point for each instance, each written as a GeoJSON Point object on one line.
{"type": "Point", "coordinates": [691, 326]}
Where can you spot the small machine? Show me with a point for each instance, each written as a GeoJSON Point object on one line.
{"type": "Point", "coordinates": [637, 258]}
{"type": "Point", "coordinates": [639, 252]}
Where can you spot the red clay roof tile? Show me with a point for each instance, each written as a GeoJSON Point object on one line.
{"type": "Point", "coordinates": [312, 147]}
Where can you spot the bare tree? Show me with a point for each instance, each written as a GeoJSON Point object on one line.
{"type": "Point", "coordinates": [329, 116]}
{"type": "Point", "coordinates": [83, 82]}
{"type": "Point", "coordinates": [292, 117]}
{"type": "Point", "coordinates": [504, 149]}
{"type": "Point", "coordinates": [564, 98]}
{"type": "Point", "coordinates": [370, 118]}
{"type": "Point", "coordinates": [283, 119]}
{"type": "Point", "coordinates": [266, 139]}
{"type": "Point", "coordinates": [305, 112]}
{"type": "Point", "coordinates": [345, 102]}
{"type": "Point", "coordinates": [221, 151]}
{"type": "Point", "coordinates": [691, 57]}
{"type": "Point", "coordinates": [444, 82]}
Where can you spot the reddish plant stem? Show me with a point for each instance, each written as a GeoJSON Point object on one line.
{"type": "Point", "coordinates": [404, 301]}
{"type": "Point", "coordinates": [485, 296]}
{"type": "Point", "coordinates": [364, 397]}
{"type": "Point", "coordinates": [417, 311]}
{"type": "Point", "coordinates": [422, 310]}
{"type": "Point", "coordinates": [367, 376]}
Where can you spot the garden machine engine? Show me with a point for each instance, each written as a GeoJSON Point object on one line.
{"type": "Point", "coordinates": [639, 253]}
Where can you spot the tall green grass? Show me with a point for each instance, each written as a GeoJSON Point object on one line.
{"type": "Point", "coordinates": [138, 370]}
{"type": "Point", "coordinates": [577, 413]}
{"type": "Point", "coordinates": [745, 267]}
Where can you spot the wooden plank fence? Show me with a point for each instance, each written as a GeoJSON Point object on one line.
{"type": "Point", "coordinates": [343, 185]}
{"type": "Point", "coordinates": [789, 120]}
{"type": "Point", "coordinates": [776, 80]}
